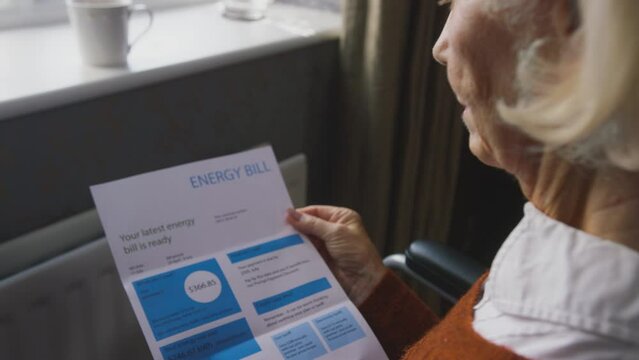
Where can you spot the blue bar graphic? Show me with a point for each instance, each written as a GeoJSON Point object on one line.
{"type": "Point", "coordinates": [230, 341]}
{"type": "Point", "coordinates": [264, 248]}
{"type": "Point", "coordinates": [290, 296]}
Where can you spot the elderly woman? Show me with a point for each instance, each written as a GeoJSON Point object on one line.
{"type": "Point", "coordinates": [551, 95]}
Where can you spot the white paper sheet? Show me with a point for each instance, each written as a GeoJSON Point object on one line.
{"type": "Point", "coordinates": [213, 271]}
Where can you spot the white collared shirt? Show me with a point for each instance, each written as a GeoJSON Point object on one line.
{"type": "Point", "coordinates": [555, 292]}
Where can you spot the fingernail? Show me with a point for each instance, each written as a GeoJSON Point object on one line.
{"type": "Point", "coordinates": [294, 214]}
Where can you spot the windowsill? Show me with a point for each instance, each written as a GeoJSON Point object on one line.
{"type": "Point", "coordinates": [41, 67]}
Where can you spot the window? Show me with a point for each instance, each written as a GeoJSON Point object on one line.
{"type": "Point", "coordinates": [14, 13]}
{"type": "Point", "coordinates": [19, 13]}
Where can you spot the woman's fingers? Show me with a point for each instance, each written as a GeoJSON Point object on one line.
{"type": "Point", "coordinates": [309, 224]}
{"type": "Point", "coordinates": [324, 212]}
{"type": "Point", "coordinates": [294, 214]}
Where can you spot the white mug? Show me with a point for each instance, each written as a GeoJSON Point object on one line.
{"type": "Point", "coordinates": [102, 29]}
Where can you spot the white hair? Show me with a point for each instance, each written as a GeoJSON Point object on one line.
{"type": "Point", "coordinates": [584, 102]}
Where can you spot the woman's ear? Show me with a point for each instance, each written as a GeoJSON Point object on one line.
{"type": "Point", "coordinates": [575, 16]}
{"type": "Point", "coordinates": [566, 17]}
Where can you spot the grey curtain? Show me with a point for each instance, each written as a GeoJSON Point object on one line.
{"type": "Point", "coordinates": [399, 141]}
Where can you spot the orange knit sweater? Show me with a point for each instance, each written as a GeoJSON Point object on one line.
{"type": "Point", "coordinates": [408, 330]}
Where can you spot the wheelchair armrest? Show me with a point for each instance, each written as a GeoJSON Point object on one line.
{"type": "Point", "coordinates": [447, 271]}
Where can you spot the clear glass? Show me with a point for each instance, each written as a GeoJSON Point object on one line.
{"type": "Point", "coordinates": [246, 9]}
{"type": "Point", "coordinates": [5, 4]}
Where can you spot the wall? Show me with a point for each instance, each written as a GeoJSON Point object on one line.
{"type": "Point", "coordinates": [49, 159]}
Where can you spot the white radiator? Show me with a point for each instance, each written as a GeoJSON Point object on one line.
{"type": "Point", "coordinates": [73, 306]}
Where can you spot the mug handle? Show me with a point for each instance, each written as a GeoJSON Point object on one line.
{"type": "Point", "coordinates": [140, 8]}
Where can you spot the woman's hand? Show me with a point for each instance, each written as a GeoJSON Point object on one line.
{"type": "Point", "coordinates": [341, 239]}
